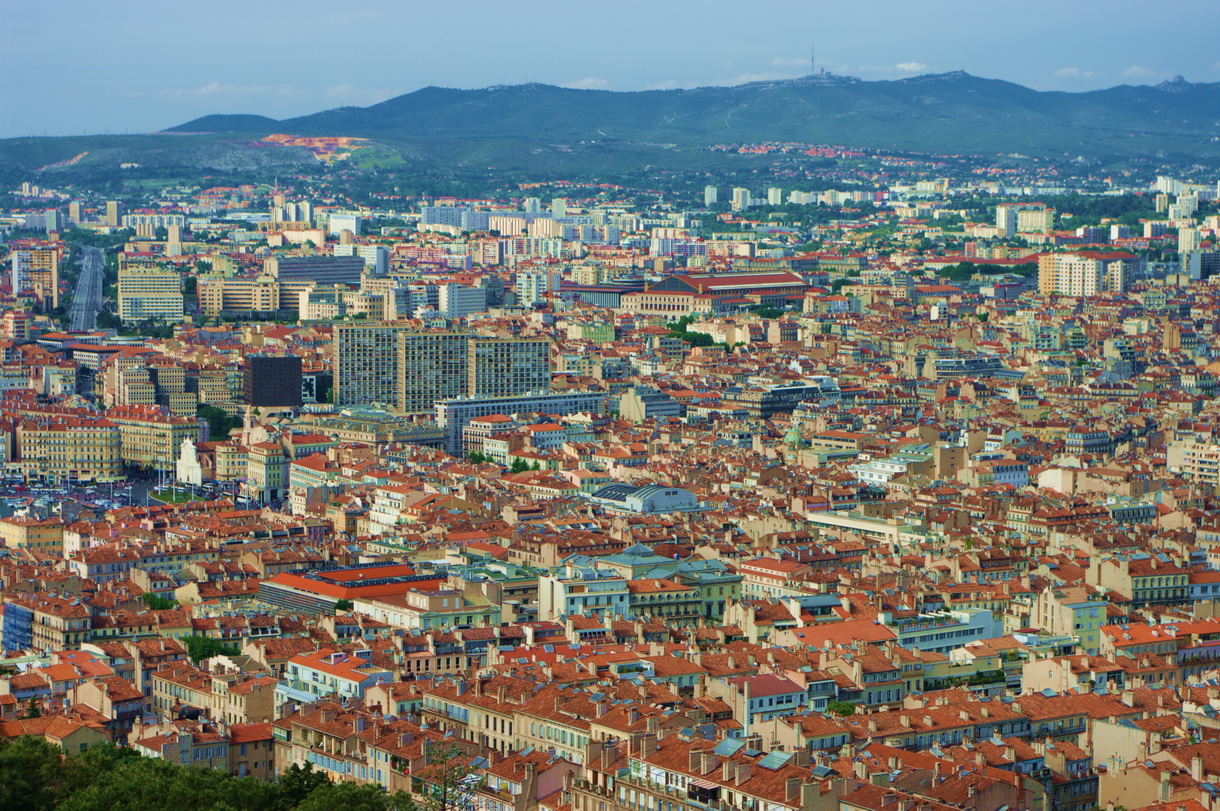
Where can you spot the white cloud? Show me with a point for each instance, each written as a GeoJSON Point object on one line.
{"type": "Point", "coordinates": [1216, 66]}
{"type": "Point", "coordinates": [587, 83]}
{"type": "Point", "coordinates": [668, 84]}
{"type": "Point", "coordinates": [1074, 73]}
{"type": "Point", "coordinates": [791, 64]}
{"type": "Point", "coordinates": [1138, 72]}
{"type": "Point", "coordinates": [882, 71]}
{"type": "Point", "coordinates": [746, 78]}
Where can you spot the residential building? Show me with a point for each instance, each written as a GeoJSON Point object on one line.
{"type": "Point", "coordinates": [150, 293]}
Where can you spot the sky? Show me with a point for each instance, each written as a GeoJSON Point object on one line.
{"type": "Point", "coordinates": [82, 67]}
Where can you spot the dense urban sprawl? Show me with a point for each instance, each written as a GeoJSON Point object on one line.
{"type": "Point", "coordinates": [896, 496]}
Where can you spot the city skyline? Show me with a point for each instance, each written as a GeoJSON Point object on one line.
{"type": "Point", "coordinates": [127, 70]}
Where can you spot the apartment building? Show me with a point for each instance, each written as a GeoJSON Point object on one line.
{"type": "Point", "coordinates": [35, 270]}
{"type": "Point", "coordinates": [219, 295]}
{"type": "Point", "coordinates": [326, 672]}
{"type": "Point", "coordinates": [430, 610]}
{"type": "Point", "coordinates": [266, 472]}
{"type": "Point", "coordinates": [452, 416]}
{"type": "Point", "coordinates": [1086, 273]}
{"type": "Point", "coordinates": [150, 436]}
{"type": "Point", "coordinates": [499, 367]}
{"type": "Point", "coordinates": [150, 292]}
{"type": "Point", "coordinates": [70, 449]}
{"type": "Point", "coordinates": [227, 696]}
{"type": "Point", "coordinates": [44, 537]}
{"type": "Point", "coordinates": [44, 622]}
{"type": "Point", "coordinates": [365, 362]}
{"type": "Point", "coordinates": [432, 366]}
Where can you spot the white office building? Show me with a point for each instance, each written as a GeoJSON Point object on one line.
{"type": "Point", "coordinates": [458, 301]}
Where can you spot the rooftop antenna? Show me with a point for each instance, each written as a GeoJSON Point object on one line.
{"type": "Point", "coordinates": [813, 59]}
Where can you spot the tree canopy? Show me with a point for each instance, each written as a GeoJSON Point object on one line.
{"type": "Point", "coordinates": [35, 775]}
{"type": "Point", "coordinates": [205, 647]}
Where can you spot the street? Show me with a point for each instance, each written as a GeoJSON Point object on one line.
{"type": "Point", "coordinates": [87, 297]}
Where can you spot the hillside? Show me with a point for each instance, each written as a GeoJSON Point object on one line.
{"type": "Point", "coordinates": [953, 112]}
{"type": "Point", "coordinates": [539, 129]}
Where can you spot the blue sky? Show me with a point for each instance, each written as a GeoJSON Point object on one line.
{"type": "Point", "coordinates": [81, 67]}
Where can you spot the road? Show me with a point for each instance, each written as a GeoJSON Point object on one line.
{"type": "Point", "coordinates": [87, 297]}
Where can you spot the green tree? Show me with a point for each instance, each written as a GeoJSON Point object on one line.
{"type": "Point", "coordinates": [477, 458]}
{"type": "Point", "coordinates": [352, 797]}
{"type": "Point", "coordinates": [205, 647]}
{"type": "Point", "coordinates": [32, 710]}
{"type": "Point", "coordinates": [158, 603]}
{"type": "Point", "coordinates": [220, 422]}
{"type": "Point", "coordinates": [29, 768]}
{"type": "Point", "coordinates": [519, 465]}
{"type": "Point", "coordinates": [445, 776]}
{"type": "Point", "coordinates": [296, 783]}
{"type": "Point", "coordinates": [767, 311]}
{"type": "Point", "coordinates": [343, 605]}
{"type": "Point", "coordinates": [843, 708]}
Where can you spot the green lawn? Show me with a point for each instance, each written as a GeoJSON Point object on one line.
{"type": "Point", "coordinates": [170, 496]}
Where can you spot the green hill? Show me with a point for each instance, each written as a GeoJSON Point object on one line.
{"type": "Point", "coordinates": [538, 128]}
{"type": "Point", "coordinates": [953, 112]}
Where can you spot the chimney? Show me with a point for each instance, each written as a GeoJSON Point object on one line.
{"type": "Point", "coordinates": [648, 744]}
{"type": "Point", "coordinates": [1196, 769]}
{"type": "Point", "coordinates": [743, 773]}
{"type": "Point", "coordinates": [727, 770]}
{"type": "Point", "coordinates": [792, 790]}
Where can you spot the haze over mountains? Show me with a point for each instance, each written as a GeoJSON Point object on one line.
{"type": "Point", "coordinates": [537, 127]}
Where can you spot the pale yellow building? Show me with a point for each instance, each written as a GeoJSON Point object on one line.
{"type": "Point", "coordinates": [70, 448]}
{"type": "Point", "coordinates": [150, 436]}
{"type": "Point", "coordinates": [46, 537]}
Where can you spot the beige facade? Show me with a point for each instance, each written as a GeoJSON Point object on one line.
{"type": "Point", "coordinates": [239, 294]}
{"type": "Point", "coordinates": [46, 537]}
{"type": "Point", "coordinates": [150, 436]}
{"type": "Point", "coordinates": [70, 448]}
{"type": "Point", "coordinates": [1087, 273]}
{"type": "Point", "coordinates": [150, 292]}
{"type": "Point", "coordinates": [228, 697]}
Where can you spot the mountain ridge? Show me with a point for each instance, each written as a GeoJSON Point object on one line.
{"type": "Point", "coordinates": [238, 122]}
{"type": "Point", "coordinates": [946, 112]}
{"type": "Point", "coordinates": [540, 130]}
